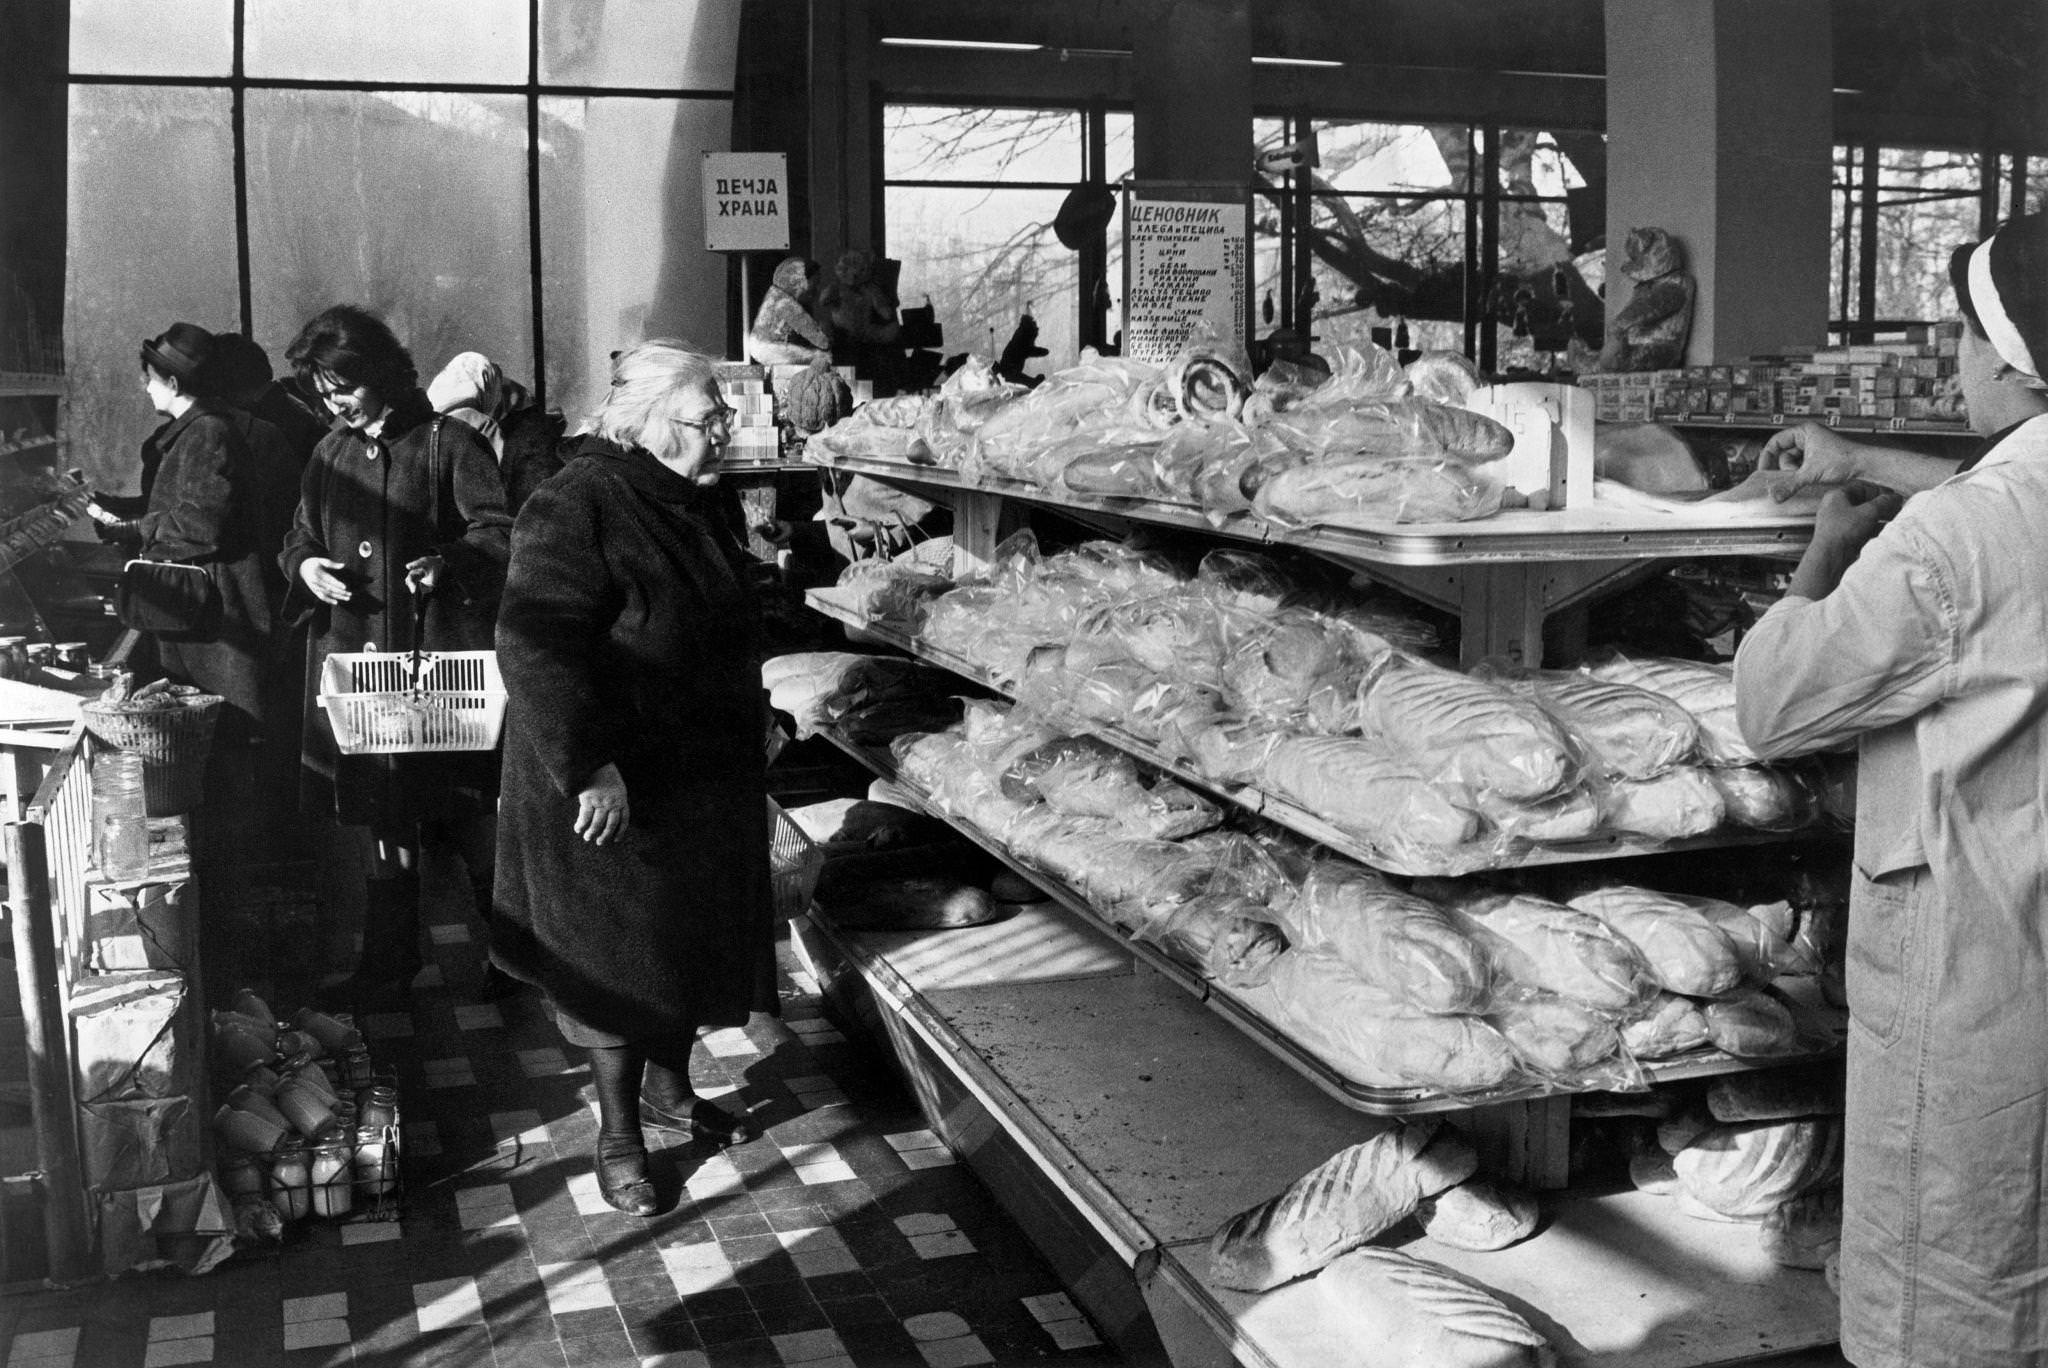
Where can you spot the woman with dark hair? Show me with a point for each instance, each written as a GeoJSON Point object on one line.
{"type": "Point", "coordinates": [400, 509]}
{"type": "Point", "coordinates": [202, 503]}
{"type": "Point", "coordinates": [633, 839]}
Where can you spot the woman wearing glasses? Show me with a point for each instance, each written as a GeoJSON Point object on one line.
{"type": "Point", "coordinates": [398, 508]}
{"type": "Point", "coordinates": [633, 836]}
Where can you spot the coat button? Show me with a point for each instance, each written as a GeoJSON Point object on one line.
{"type": "Point", "coordinates": [364, 550]}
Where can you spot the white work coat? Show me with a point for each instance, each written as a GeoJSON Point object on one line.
{"type": "Point", "coordinates": [1932, 654]}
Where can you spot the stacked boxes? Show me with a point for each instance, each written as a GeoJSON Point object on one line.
{"type": "Point", "coordinates": [754, 436]}
{"type": "Point", "coordinates": [1892, 384]}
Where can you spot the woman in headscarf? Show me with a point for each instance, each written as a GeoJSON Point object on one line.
{"type": "Point", "coordinates": [524, 437]}
{"type": "Point", "coordinates": [633, 877]}
{"type": "Point", "coordinates": [401, 520]}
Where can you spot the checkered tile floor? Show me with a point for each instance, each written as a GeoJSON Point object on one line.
{"type": "Point", "coordinates": [845, 1237]}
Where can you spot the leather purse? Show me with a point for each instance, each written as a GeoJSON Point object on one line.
{"type": "Point", "coordinates": [168, 598]}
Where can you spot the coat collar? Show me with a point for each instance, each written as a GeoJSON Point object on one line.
{"type": "Point", "coordinates": [172, 429]}
{"type": "Point", "coordinates": [647, 475]}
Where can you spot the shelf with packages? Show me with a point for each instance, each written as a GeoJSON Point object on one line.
{"type": "Point", "coordinates": [1773, 422]}
{"type": "Point", "coordinates": [1501, 576]}
{"type": "Point", "coordinates": [1251, 1010]}
{"type": "Point", "coordinates": [1246, 798]}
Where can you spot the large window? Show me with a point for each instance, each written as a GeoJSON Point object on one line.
{"type": "Point", "coordinates": [516, 177]}
{"type": "Point", "coordinates": [970, 196]}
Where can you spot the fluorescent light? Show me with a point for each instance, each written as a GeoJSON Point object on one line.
{"type": "Point", "coordinates": [1295, 61]}
{"type": "Point", "coordinates": [968, 43]}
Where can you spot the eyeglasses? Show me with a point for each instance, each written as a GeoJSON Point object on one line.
{"type": "Point", "coordinates": [718, 417]}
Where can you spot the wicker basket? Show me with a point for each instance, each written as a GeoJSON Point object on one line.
{"type": "Point", "coordinates": [794, 861]}
{"type": "Point", "coordinates": [172, 742]}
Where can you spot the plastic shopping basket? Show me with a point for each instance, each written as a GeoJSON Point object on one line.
{"type": "Point", "coordinates": [405, 702]}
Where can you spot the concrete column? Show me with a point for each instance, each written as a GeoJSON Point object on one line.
{"type": "Point", "coordinates": [1720, 130]}
{"type": "Point", "coordinates": [1192, 90]}
{"type": "Point", "coordinates": [843, 132]}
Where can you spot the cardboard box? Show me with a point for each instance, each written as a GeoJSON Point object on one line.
{"type": "Point", "coordinates": [135, 1034]}
{"type": "Point", "coordinates": [139, 1142]}
{"type": "Point", "coordinates": [149, 925]}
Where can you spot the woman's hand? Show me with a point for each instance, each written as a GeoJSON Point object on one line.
{"type": "Point", "coordinates": [422, 576]}
{"type": "Point", "coordinates": [318, 573]}
{"type": "Point", "coordinates": [1810, 454]}
{"type": "Point", "coordinates": [1847, 520]}
{"type": "Point", "coordinates": [601, 808]}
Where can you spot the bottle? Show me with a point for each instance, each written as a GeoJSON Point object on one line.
{"type": "Point", "coordinates": [291, 1178]}
{"type": "Point", "coordinates": [333, 1174]}
{"type": "Point", "coordinates": [380, 1107]}
{"type": "Point", "coordinates": [120, 822]}
{"type": "Point", "coordinates": [376, 1173]}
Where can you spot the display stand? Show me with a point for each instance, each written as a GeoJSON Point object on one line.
{"type": "Point", "coordinates": [1504, 578]}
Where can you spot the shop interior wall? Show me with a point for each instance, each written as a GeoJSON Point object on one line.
{"type": "Point", "coordinates": [32, 54]}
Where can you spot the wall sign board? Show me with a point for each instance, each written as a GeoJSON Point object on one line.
{"type": "Point", "coordinates": [1185, 262]}
{"type": "Point", "coordinates": [746, 201]}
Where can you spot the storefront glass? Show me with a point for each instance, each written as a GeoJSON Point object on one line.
{"type": "Point", "coordinates": [432, 42]}
{"type": "Point", "coordinates": [651, 44]}
{"type": "Point", "coordinates": [153, 37]}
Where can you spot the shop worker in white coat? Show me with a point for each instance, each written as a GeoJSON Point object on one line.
{"type": "Point", "coordinates": [1920, 633]}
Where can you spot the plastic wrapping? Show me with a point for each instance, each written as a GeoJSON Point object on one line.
{"type": "Point", "coordinates": [1354, 784]}
{"type": "Point", "coordinates": [1371, 1038]}
{"type": "Point", "coordinates": [1763, 798]}
{"type": "Point", "coordinates": [1678, 803]}
{"type": "Point", "coordinates": [1623, 731]}
{"type": "Point", "coordinates": [1707, 691]}
{"type": "Point", "coordinates": [1446, 377]}
{"type": "Point", "coordinates": [1224, 934]}
{"type": "Point", "coordinates": [1403, 945]}
{"type": "Point", "coordinates": [1372, 616]}
{"type": "Point", "coordinates": [1178, 634]}
{"type": "Point", "coordinates": [1391, 430]}
{"type": "Point", "coordinates": [1100, 470]}
{"type": "Point", "coordinates": [1245, 579]}
{"type": "Point", "coordinates": [1686, 948]}
{"type": "Point", "coordinates": [1298, 670]}
{"type": "Point", "coordinates": [892, 592]}
{"type": "Point", "coordinates": [1573, 815]}
{"type": "Point", "coordinates": [1547, 947]}
{"type": "Point", "coordinates": [1224, 748]}
{"type": "Point", "coordinates": [1371, 492]}
{"type": "Point", "coordinates": [1667, 1025]}
{"type": "Point", "coordinates": [1466, 730]}
{"type": "Point", "coordinates": [1764, 950]}
{"type": "Point", "coordinates": [1561, 1041]}
{"type": "Point", "coordinates": [1093, 397]}
{"type": "Point", "coordinates": [1209, 379]}
{"type": "Point", "coordinates": [1754, 1025]}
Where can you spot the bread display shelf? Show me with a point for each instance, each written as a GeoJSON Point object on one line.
{"type": "Point", "coordinates": [1514, 536]}
{"type": "Point", "coordinates": [1243, 1011]}
{"type": "Point", "coordinates": [1298, 819]}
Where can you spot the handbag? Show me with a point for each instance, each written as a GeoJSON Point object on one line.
{"type": "Point", "coordinates": [168, 598]}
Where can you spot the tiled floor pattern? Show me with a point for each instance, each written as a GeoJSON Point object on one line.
{"type": "Point", "coordinates": [845, 1237]}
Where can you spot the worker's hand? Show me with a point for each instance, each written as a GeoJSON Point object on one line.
{"type": "Point", "coordinates": [318, 573]}
{"type": "Point", "coordinates": [422, 576]}
{"type": "Point", "coordinates": [774, 531]}
{"type": "Point", "coordinates": [1810, 454]}
{"type": "Point", "coordinates": [98, 514]}
{"type": "Point", "coordinates": [602, 811]}
{"type": "Point", "coordinates": [1851, 515]}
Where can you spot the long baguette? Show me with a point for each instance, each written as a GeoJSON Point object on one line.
{"type": "Point", "coordinates": [1405, 1312]}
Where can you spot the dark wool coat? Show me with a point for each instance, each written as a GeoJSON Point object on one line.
{"type": "Point", "coordinates": [376, 505]}
{"type": "Point", "coordinates": [628, 636]}
{"type": "Point", "coordinates": [205, 493]}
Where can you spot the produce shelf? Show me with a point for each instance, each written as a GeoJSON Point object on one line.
{"type": "Point", "coordinates": [1298, 819]}
{"type": "Point", "coordinates": [1244, 1010]}
{"type": "Point", "coordinates": [1513, 536]}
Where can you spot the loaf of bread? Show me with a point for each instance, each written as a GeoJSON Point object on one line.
{"type": "Point", "coordinates": [1404, 1312]}
{"type": "Point", "coordinates": [1754, 1025]}
{"type": "Point", "coordinates": [1707, 691]}
{"type": "Point", "coordinates": [1552, 948]}
{"type": "Point", "coordinates": [1685, 949]}
{"type": "Point", "coordinates": [1573, 815]}
{"type": "Point", "coordinates": [1762, 798]}
{"type": "Point", "coordinates": [1338, 1205]}
{"type": "Point", "coordinates": [1680, 802]}
{"type": "Point", "coordinates": [1467, 730]}
{"type": "Point", "coordinates": [1665, 1026]}
{"type": "Point", "coordinates": [1402, 944]}
{"type": "Point", "coordinates": [1777, 1094]}
{"type": "Point", "coordinates": [1369, 493]}
{"type": "Point", "coordinates": [1375, 1039]}
{"type": "Point", "coordinates": [1478, 1215]}
{"type": "Point", "coordinates": [1806, 1231]}
{"type": "Point", "coordinates": [1355, 784]}
{"type": "Point", "coordinates": [1626, 732]}
{"type": "Point", "coordinates": [1554, 1037]}
{"type": "Point", "coordinates": [1748, 1171]}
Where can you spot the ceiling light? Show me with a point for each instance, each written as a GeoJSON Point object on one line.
{"type": "Point", "coordinates": [967, 43]}
{"type": "Point", "coordinates": [1295, 61]}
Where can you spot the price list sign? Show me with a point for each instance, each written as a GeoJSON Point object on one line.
{"type": "Point", "coordinates": [1184, 262]}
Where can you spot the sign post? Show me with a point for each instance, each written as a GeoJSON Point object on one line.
{"type": "Point", "coordinates": [746, 209]}
{"type": "Point", "coordinates": [1185, 263]}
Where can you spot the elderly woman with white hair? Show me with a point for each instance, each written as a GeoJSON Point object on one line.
{"type": "Point", "coordinates": [633, 878]}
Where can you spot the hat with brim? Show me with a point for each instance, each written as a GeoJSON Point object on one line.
{"type": "Point", "coordinates": [1083, 214]}
{"type": "Point", "coordinates": [2002, 285]}
{"type": "Point", "coordinates": [183, 350]}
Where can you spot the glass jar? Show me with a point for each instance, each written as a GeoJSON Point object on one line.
{"type": "Point", "coordinates": [291, 1179]}
{"type": "Point", "coordinates": [240, 1174]}
{"type": "Point", "coordinates": [120, 819]}
{"type": "Point", "coordinates": [333, 1175]}
{"type": "Point", "coordinates": [376, 1161]}
{"type": "Point", "coordinates": [379, 1107]}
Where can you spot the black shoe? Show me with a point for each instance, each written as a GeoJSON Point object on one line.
{"type": "Point", "coordinates": [702, 1121]}
{"type": "Point", "coordinates": [622, 1181]}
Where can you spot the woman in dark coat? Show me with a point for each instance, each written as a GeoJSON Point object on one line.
{"type": "Point", "coordinates": [633, 877]}
{"type": "Point", "coordinates": [202, 502]}
{"type": "Point", "coordinates": [399, 507]}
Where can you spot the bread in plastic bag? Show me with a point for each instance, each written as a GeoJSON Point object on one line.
{"type": "Point", "coordinates": [1678, 803]}
{"type": "Point", "coordinates": [1667, 1025]}
{"type": "Point", "coordinates": [1622, 730]}
{"type": "Point", "coordinates": [1121, 471]}
{"type": "Point", "coordinates": [1466, 730]}
{"type": "Point", "coordinates": [1297, 669]}
{"type": "Point", "coordinates": [1354, 784]}
{"type": "Point", "coordinates": [1748, 1171]}
{"type": "Point", "coordinates": [1573, 815]}
{"type": "Point", "coordinates": [1686, 949]}
{"type": "Point", "coordinates": [1564, 1042]}
{"type": "Point", "coordinates": [1393, 430]}
{"type": "Point", "coordinates": [1372, 1038]}
{"type": "Point", "coordinates": [1446, 377]}
{"type": "Point", "coordinates": [1224, 933]}
{"type": "Point", "coordinates": [1705, 690]}
{"type": "Point", "coordinates": [1223, 748]}
{"type": "Point", "coordinates": [1753, 1025]}
{"type": "Point", "coordinates": [1548, 947]}
{"type": "Point", "coordinates": [1403, 945]}
{"type": "Point", "coordinates": [1761, 948]}
{"type": "Point", "coordinates": [1763, 798]}
{"type": "Point", "coordinates": [1369, 493]}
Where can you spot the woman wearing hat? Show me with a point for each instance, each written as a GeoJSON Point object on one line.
{"type": "Point", "coordinates": [202, 503]}
{"type": "Point", "coordinates": [1915, 631]}
{"type": "Point", "coordinates": [400, 541]}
